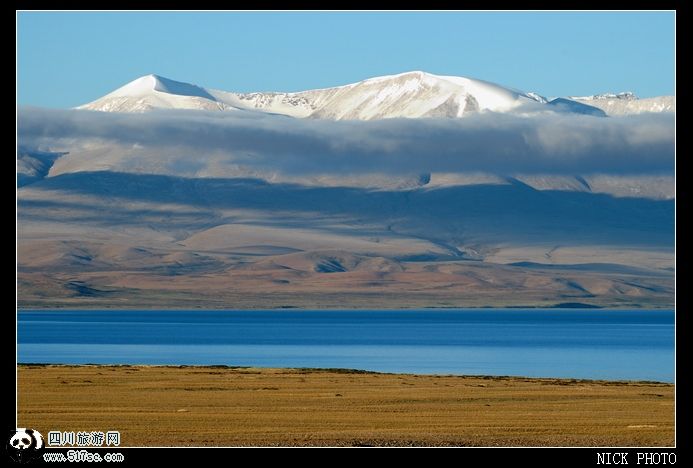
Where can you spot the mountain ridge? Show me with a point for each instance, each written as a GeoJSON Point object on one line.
{"type": "Point", "coordinates": [254, 210]}
{"type": "Point", "coordinates": [413, 94]}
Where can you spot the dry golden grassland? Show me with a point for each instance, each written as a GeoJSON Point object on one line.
{"type": "Point", "coordinates": [219, 406]}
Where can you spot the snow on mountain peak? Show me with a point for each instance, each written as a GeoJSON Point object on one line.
{"type": "Point", "coordinates": [406, 95]}
{"type": "Point", "coordinates": [156, 92]}
{"type": "Point", "coordinates": [537, 97]}
{"type": "Point", "coordinates": [624, 96]}
{"type": "Point", "coordinates": [415, 74]}
{"type": "Point", "coordinates": [411, 94]}
{"type": "Point", "coordinates": [488, 96]}
{"type": "Point", "coordinates": [147, 84]}
{"type": "Point", "coordinates": [139, 87]}
{"type": "Point", "coordinates": [628, 103]}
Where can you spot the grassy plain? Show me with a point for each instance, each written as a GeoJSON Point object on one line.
{"type": "Point", "coordinates": [221, 406]}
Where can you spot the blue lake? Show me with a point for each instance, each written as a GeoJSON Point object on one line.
{"type": "Point", "coordinates": [594, 344]}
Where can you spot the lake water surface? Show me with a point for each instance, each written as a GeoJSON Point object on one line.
{"type": "Point", "coordinates": [594, 344]}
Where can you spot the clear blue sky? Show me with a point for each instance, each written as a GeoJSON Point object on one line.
{"type": "Point", "coordinates": [69, 58]}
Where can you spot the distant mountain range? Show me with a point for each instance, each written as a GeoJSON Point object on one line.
{"type": "Point", "coordinates": [628, 103]}
{"type": "Point", "coordinates": [412, 95]}
{"type": "Point", "coordinates": [172, 209]}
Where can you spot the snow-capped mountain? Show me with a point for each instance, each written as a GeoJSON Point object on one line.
{"type": "Point", "coordinates": [156, 92]}
{"type": "Point", "coordinates": [624, 96]}
{"type": "Point", "coordinates": [412, 95]}
{"type": "Point", "coordinates": [627, 103]}
{"type": "Point", "coordinates": [247, 207]}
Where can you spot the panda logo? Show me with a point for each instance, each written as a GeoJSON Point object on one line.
{"type": "Point", "coordinates": [24, 444]}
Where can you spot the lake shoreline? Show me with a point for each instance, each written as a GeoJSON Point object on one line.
{"type": "Point", "coordinates": [348, 371]}
{"type": "Point", "coordinates": [227, 406]}
{"type": "Point", "coordinates": [357, 307]}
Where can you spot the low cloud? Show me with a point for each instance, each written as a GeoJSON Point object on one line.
{"type": "Point", "coordinates": [550, 143]}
